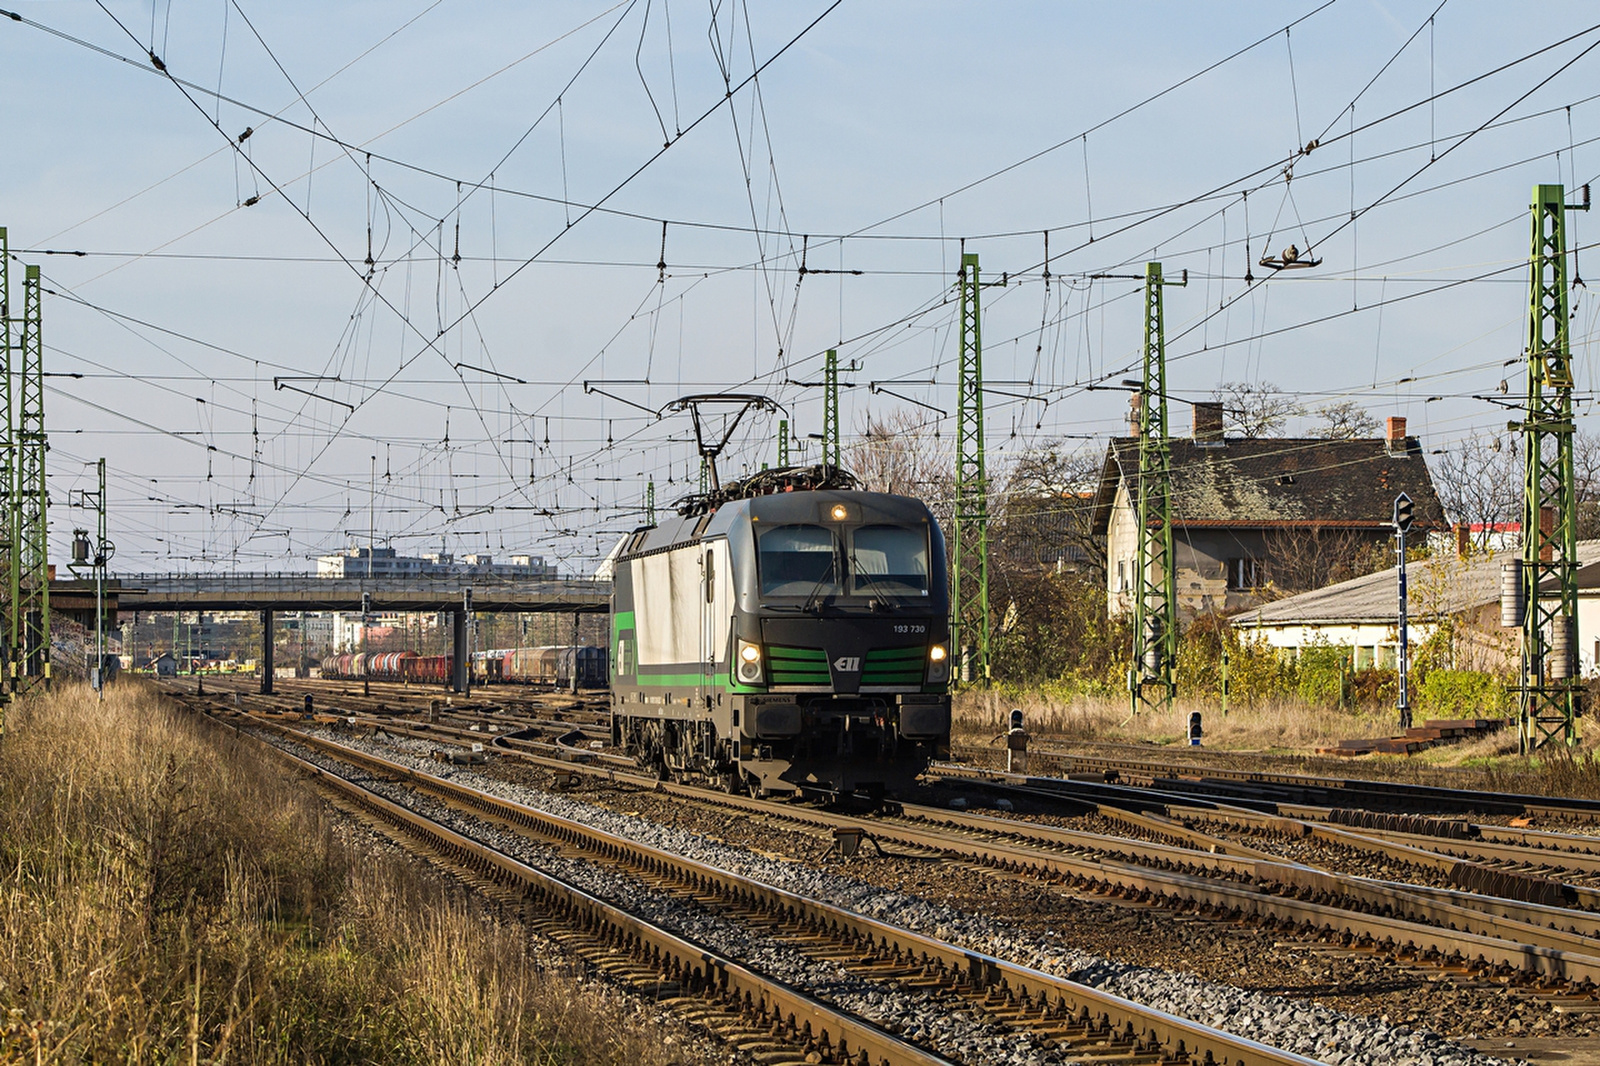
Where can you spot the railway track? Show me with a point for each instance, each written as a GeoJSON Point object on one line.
{"type": "Point", "coordinates": [1201, 860]}
{"type": "Point", "coordinates": [1525, 864]}
{"type": "Point", "coordinates": [743, 1007]}
{"type": "Point", "coordinates": [1041, 1008]}
{"type": "Point", "coordinates": [1266, 788]}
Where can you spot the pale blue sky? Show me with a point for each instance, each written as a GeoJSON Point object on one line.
{"type": "Point", "coordinates": [873, 126]}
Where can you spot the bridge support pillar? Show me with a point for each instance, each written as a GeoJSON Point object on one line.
{"type": "Point", "coordinates": [267, 668]}
{"type": "Point", "coordinates": [458, 651]}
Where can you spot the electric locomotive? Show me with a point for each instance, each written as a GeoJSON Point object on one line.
{"type": "Point", "coordinates": [789, 631]}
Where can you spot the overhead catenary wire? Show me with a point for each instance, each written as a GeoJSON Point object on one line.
{"type": "Point", "coordinates": [885, 338]}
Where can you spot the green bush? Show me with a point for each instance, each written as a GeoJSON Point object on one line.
{"type": "Point", "coordinates": [1321, 673]}
{"type": "Point", "coordinates": [1054, 628]}
{"type": "Point", "coordinates": [1462, 694]}
{"type": "Point", "coordinates": [1258, 673]}
{"type": "Point", "coordinates": [1200, 655]}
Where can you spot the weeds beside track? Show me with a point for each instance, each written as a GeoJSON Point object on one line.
{"type": "Point", "coordinates": [164, 900]}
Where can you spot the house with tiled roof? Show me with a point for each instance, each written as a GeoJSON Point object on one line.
{"type": "Point", "coordinates": [1256, 518]}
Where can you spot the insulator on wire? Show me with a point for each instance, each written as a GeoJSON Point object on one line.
{"type": "Point", "coordinates": [1512, 603]}
{"type": "Point", "coordinates": [1563, 648]}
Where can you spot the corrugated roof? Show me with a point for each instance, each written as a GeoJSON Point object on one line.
{"type": "Point", "coordinates": [1448, 586]}
{"type": "Point", "coordinates": [1281, 481]}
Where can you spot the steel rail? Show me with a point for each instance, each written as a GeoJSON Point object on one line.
{"type": "Point", "coordinates": [1584, 921]}
{"type": "Point", "coordinates": [1532, 919]}
{"type": "Point", "coordinates": [1494, 932]}
{"type": "Point", "coordinates": [1146, 1028]}
{"type": "Point", "coordinates": [1501, 932]}
{"type": "Point", "coordinates": [1423, 850]}
{"type": "Point", "coordinates": [1502, 943]}
{"type": "Point", "coordinates": [1491, 850]}
{"type": "Point", "coordinates": [1388, 898]}
{"type": "Point", "coordinates": [844, 1037]}
{"type": "Point", "coordinates": [1194, 773]}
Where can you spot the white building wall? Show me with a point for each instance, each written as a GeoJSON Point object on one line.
{"type": "Point", "coordinates": [1374, 644]}
{"type": "Point", "coordinates": [1122, 553]}
{"type": "Point", "coordinates": [1588, 632]}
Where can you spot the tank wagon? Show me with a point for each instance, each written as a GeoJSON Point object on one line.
{"type": "Point", "coordinates": [790, 632]}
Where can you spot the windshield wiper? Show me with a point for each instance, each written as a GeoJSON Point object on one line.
{"type": "Point", "coordinates": [886, 598]}
{"type": "Point", "coordinates": [812, 604]}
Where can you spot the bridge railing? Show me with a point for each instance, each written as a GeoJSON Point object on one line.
{"type": "Point", "coordinates": [391, 582]}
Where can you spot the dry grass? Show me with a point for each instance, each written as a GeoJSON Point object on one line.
{"type": "Point", "coordinates": [1288, 734]}
{"type": "Point", "coordinates": [1280, 727]}
{"type": "Point", "coordinates": [165, 901]}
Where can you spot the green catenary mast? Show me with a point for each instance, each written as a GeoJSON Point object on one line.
{"type": "Point", "coordinates": [1153, 679]}
{"type": "Point", "coordinates": [8, 460]}
{"type": "Point", "coordinates": [29, 499]}
{"type": "Point", "coordinates": [969, 602]}
{"type": "Point", "coordinates": [830, 410]}
{"type": "Point", "coordinates": [1549, 703]}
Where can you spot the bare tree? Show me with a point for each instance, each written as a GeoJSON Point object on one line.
{"type": "Point", "coordinates": [1479, 481]}
{"type": "Point", "coordinates": [1321, 556]}
{"type": "Point", "coordinates": [903, 454]}
{"type": "Point", "coordinates": [1586, 474]}
{"type": "Point", "coordinates": [1345, 420]}
{"type": "Point", "coordinates": [1256, 409]}
{"type": "Point", "coordinates": [1045, 512]}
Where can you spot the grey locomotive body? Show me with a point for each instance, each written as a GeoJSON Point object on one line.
{"type": "Point", "coordinates": [787, 640]}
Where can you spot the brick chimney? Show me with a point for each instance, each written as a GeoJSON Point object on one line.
{"type": "Point", "coordinates": [1135, 414]}
{"type": "Point", "coordinates": [1208, 423]}
{"type": "Point", "coordinates": [1395, 435]}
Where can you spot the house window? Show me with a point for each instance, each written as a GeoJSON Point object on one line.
{"type": "Point", "coordinates": [1246, 574]}
{"type": "Point", "coordinates": [1122, 575]}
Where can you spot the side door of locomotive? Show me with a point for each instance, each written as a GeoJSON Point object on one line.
{"type": "Point", "coordinates": [716, 609]}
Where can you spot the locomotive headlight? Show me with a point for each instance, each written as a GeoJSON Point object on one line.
{"type": "Point", "coordinates": [938, 663]}
{"type": "Point", "coordinates": [748, 667]}
{"type": "Point", "coordinates": [839, 512]}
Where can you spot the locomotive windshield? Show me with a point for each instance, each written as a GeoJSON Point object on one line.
{"type": "Point", "coordinates": [890, 560]}
{"type": "Point", "coordinates": [805, 560]}
{"type": "Point", "coordinates": [799, 560]}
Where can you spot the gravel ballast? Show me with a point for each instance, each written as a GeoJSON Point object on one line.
{"type": "Point", "coordinates": [1302, 1027]}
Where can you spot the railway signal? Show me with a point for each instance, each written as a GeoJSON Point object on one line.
{"type": "Point", "coordinates": [1404, 514]}
{"type": "Point", "coordinates": [94, 557]}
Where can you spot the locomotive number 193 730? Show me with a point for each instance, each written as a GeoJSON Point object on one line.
{"type": "Point", "coordinates": [910, 629]}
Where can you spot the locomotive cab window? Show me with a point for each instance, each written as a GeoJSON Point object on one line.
{"type": "Point", "coordinates": [799, 560]}
{"type": "Point", "coordinates": [890, 560]}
